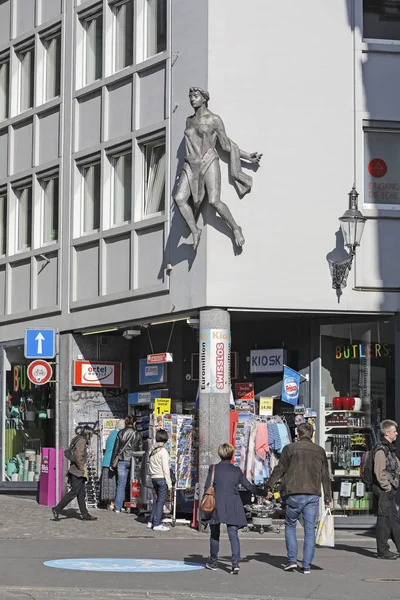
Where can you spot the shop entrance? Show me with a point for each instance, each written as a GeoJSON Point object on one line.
{"type": "Point", "coordinates": [28, 418]}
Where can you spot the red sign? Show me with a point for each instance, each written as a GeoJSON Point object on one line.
{"type": "Point", "coordinates": [164, 357]}
{"type": "Point", "coordinates": [39, 372]}
{"type": "Point", "coordinates": [377, 168]}
{"type": "Point", "coordinates": [97, 374]}
{"type": "Point", "coordinates": [244, 391]}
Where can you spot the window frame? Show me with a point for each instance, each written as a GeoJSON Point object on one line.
{"type": "Point", "coordinates": [19, 52]}
{"type": "Point", "coordinates": [371, 127]}
{"type": "Point", "coordinates": [113, 156]}
{"type": "Point", "coordinates": [18, 188]}
{"type": "Point", "coordinates": [82, 167]}
{"type": "Point", "coordinates": [156, 140]}
{"type": "Point", "coordinates": [4, 226]}
{"type": "Point", "coordinates": [5, 60]}
{"type": "Point", "coordinates": [46, 178]}
{"type": "Point", "coordinates": [46, 40]}
{"type": "Point", "coordinates": [84, 19]}
{"type": "Point", "coordinates": [114, 6]}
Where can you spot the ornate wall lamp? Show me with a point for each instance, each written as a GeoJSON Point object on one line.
{"type": "Point", "coordinates": [352, 226]}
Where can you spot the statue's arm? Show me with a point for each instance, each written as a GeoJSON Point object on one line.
{"type": "Point", "coordinates": [225, 142]}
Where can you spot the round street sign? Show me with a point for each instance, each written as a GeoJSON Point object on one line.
{"type": "Point", "coordinates": [39, 372]}
{"type": "Point", "coordinates": [377, 168]}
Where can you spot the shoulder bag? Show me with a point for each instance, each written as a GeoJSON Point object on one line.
{"type": "Point", "coordinates": [207, 504]}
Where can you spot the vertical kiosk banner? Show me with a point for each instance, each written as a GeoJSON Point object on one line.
{"type": "Point", "coordinates": [215, 361]}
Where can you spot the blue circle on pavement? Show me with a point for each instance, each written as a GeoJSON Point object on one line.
{"type": "Point", "coordinates": [123, 565]}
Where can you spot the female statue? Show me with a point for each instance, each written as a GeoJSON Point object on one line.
{"type": "Point", "coordinates": [201, 172]}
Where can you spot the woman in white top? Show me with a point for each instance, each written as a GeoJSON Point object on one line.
{"type": "Point", "coordinates": [159, 471]}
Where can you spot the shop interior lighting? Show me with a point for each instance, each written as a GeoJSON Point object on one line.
{"type": "Point", "coordinates": [100, 331]}
{"type": "Point", "coordinates": [169, 321]}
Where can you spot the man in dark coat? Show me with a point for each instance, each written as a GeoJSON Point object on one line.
{"type": "Point", "coordinates": [302, 469]}
{"type": "Point", "coordinates": [229, 506]}
{"type": "Point", "coordinates": [77, 476]}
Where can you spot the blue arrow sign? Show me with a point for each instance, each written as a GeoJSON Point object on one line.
{"type": "Point", "coordinates": [40, 343]}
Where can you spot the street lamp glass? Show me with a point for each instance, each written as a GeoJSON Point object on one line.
{"type": "Point", "coordinates": [352, 229]}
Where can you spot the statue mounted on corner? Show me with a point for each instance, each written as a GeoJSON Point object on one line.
{"type": "Point", "coordinates": [201, 172]}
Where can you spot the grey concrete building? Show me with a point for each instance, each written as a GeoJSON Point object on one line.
{"type": "Point", "coordinates": [93, 105]}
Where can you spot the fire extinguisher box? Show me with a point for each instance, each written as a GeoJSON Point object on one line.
{"type": "Point", "coordinates": [47, 481]}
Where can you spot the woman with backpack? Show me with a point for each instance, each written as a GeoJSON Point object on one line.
{"type": "Point", "coordinates": [76, 453]}
{"type": "Point", "coordinates": [159, 471]}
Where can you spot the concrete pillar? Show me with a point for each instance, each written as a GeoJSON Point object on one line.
{"type": "Point", "coordinates": [215, 385]}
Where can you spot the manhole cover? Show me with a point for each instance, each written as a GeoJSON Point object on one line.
{"type": "Point", "coordinates": [383, 580]}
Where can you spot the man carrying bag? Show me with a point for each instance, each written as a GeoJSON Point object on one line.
{"type": "Point", "coordinates": [302, 468]}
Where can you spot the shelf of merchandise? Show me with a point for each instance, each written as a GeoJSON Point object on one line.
{"type": "Point", "coordinates": [354, 412]}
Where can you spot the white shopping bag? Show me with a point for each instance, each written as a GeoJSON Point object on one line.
{"type": "Point", "coordinates": [326, 530]}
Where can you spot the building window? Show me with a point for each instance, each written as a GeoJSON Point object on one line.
{"type": "Point", "coordinates": [122, 189]}
{"type": "Point", "coordinates": [123, 45]}
{"type": "Point", "coordinates": [52, 47]}
{"type": "Point", "coordinates": [382, 19]}
{"type": "Point", "coordinates": [154, 196]}
{"type": "Point", "coordinates": [4, 88]}
{"type": "Point", "coordinates": [93, 47]}
{"type": "Point", "coordinates": [382, 168]}
{"type": "Point", "coordinates": [91, 197]}
{"type": "Point", "coordinates": [156, 18]}
{"type": "Point", "coordinates": [49, 209]}
{"type": "Point", "coordinates": [26, 59]}
{"type": "Point", "coordinates": [24, 218]}
{"type": "Point", "coordinates": [3, 224]}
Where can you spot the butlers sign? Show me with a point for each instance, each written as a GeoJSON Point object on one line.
{"type": "Point", "coordinates": [363, 351]}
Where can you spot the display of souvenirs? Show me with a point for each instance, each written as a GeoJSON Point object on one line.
{"type": "Point", "coordinates": [182, 446]}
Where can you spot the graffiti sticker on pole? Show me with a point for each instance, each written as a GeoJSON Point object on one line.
{"type": "Point", "coordinates": [215, 358]}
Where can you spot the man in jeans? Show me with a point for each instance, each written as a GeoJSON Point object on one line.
{"type": "Point", "coordinates": [302, 469]}
{"type": "Point", "coordinates": [386, 482]}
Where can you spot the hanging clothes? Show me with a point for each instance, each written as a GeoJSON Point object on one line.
{"type": "Point", "coordinates": [262, 447]}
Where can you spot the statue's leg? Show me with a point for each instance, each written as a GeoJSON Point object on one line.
{"type": "Point", "coordinates": [182, 201]}
{"type": "Point", "coordinates": [212, 179]}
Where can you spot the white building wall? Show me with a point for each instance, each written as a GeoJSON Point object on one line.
{"type": "Point", "coordinates": [281, 78]}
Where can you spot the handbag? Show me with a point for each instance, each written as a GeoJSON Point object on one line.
{"type": "Point", "coordinates": [207, 504]}
{"type": "Point", "coordinates": [326, 530]}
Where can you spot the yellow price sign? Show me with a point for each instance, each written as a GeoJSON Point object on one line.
{"type": "Point", "coordinates": [266, 406]}
{"type": "Point", "coordinates": [162, 406]}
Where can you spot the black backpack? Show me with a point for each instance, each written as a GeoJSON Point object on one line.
{"type": "Point", "coordinates": [367, 464]}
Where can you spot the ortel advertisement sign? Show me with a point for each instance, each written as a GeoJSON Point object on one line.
{"type": "Point", "coordinates": [270, 360]}
{"type": "Point", "coordinates": [215, 361]}
{"type": "Point", "coordinates": [97, 374]}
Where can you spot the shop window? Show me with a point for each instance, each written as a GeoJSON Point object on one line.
{"type": "Point", "coordinates": [382, 168]}
{"type": "Point", "coordinates": [4, 88]}
{"type": "Point", "coordinates": [3, 224]}
{"type": "Point", "coordinates": [26, 58]}
{"type": "Point", "coordinates": [154, 176]}
{"type": "Point", "coordinates": [28, 418]}
{"type": "Point", "coordinates": [24, 217]}
{"type": "Point", "coordinates": [121, 188]}
{"type": "Point", "coordinates": [93, 47]}
{"type": "Point", "coordinates": [156, 23]}
{"type": "Point", "coordinates": [90, 208]}
{"type": "Point", "coordinates": [52, 46]}
{"type": "Point", "coordinates": [358, 392]}
{"type": "Point", "coordinates": [381, 19]}
{"type": "Point", "coordinates": [49, 209]}
{"type": "Point", "coordinates": [123, 34]}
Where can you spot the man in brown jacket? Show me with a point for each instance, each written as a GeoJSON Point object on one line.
{"type": "Point", "coordinates": [302, 469]}
{"type": "Point", "coordinates": [77, 476]}
{"type": "Point", "coordinates": [386, 482]}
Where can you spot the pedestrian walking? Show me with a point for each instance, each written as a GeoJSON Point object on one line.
{"type": "Point", "coordinates": [127, 443]}
{"type": "Point", "coordinates": [302, 469]}
{"type": "Point", "coordinates": [229, 509]}
{"type": "Point", "coordinates": [108, 482]}
{"type": "Point", "coordinates": [159, 471]}
{"type": "Point", "coordinates": [385, 483]}
{"type": "Point", "coordinates": [77, 476]}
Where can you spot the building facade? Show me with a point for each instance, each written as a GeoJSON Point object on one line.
{"type": "Point", "coordinates": [93, 105]}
